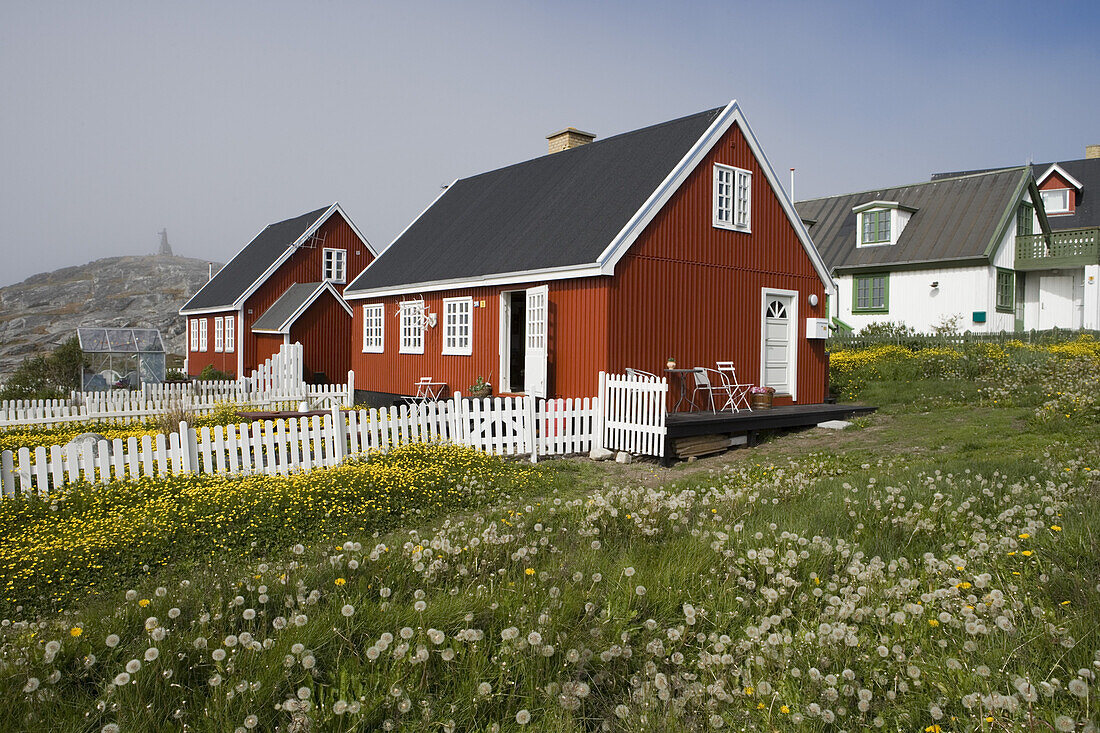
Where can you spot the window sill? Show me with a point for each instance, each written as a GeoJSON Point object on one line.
{"type": "Point", "coordinates": [732, 228]}
{"type": "Point", "coordinates": [869, 311]}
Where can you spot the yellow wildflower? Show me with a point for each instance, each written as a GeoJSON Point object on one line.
{"type": "Point", "coordinates": [76, 631]}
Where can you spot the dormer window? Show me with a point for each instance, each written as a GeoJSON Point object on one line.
{"type": "Point", "coordinates": [1056, 201]}
{"type": "Point", "coordinates": [876, 226]}
{"type": "Point", "coordinates": [880, 222]}
{"type": "Point", "coordinates": [732, 198]}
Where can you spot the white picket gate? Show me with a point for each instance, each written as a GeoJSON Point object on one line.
{"type": "Point", "coordinates": [634, 413]}
{"type": "Point", "coordinates": [628, 415]}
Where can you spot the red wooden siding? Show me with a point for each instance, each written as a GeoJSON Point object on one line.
{"type": "Point", "coordinates": [199, 360]}
{"type": "Point", "coordinates": [690, 290]}
{"type": "Point", "coordinates": [324, 331]}
{"type": "Point", "coordinates": [576, 335]}
{"type": "Point", "coordinates": [267, 346]}
{"type": "Point", "coordinates": [1054, 182]}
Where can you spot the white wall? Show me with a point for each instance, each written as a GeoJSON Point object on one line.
{"type": "Point", "coordinates": [914, 302]}
{"type": "Point", "coordinates": [1091, 315]}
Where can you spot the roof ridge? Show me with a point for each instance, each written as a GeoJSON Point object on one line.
{"type": "Point", "coordinates": [597, 141]}
{"type": "Point", "coordinates": [919, 183]}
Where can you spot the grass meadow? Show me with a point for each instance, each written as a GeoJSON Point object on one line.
{"type": "Point", "coordinates": [933, 568]}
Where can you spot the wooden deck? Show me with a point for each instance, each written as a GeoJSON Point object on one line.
{"type": "Point", "coordinates": [686, 424]}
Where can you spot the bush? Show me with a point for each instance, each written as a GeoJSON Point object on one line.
{"type": "Point", "coordinates": [47, 377]}
{"type": "Point", "coordinates": [210, 374]}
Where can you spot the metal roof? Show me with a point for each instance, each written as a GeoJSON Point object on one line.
{"type": "Point", "coordinates": [1087, 173]}
{"type": "Point", "coordinates": [249, 265]}
{"type": "Point", "coordinates": [120, 340]}
{"type": "Point", "coordinates": [290, 305]}
{"type": "Point", "coordinates": [559, 210]}
{"type": "Point", "coordinates": [956, 218]}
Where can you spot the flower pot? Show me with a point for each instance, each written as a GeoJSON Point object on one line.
{"type": "Point", "coordinates": [670, 364]}
{"type": "Point", "coordinates": [761, 401]}
{"type": "Point", "coordinates": [480, 394]}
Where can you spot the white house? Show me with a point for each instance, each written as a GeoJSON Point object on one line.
{"type": "Point", "coordinates": [975, 251]}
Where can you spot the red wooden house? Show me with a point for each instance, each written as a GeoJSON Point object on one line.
{"type": "Point", "coordinates": [672, 240]}
{"type": "Point", "coordinates": [284, 286]}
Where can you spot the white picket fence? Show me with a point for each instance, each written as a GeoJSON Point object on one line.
{"type": "Point", "coordinates": [278, 381]}
{"type": "Point", "coordinates": [510, 426]}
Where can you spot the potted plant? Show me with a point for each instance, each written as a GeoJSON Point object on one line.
{"type": "Point", "coordinates": [761, 397]}
{"type": "Point", "coordinates": [480, 388]}
{"type": "Point", "coordinates": [671, 364]}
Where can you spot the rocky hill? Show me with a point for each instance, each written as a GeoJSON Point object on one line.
{"type": "Point", "coordinates": [140, 292]}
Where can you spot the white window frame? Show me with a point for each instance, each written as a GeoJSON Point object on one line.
{"type": "Point", "coordinates": [194, 329]}
{"type": "Point", "coordinates": [455, 342]}
{"type": "Point", "coordinates": [230, 334]}
{"type": "Point", "coordinates": [219, 334]}
{"type": "Point", "coordinates": [1066, 192]}
{"type": "Point", "coordinates": [732, 198]}
{"type": "Point", "coordinates": [203, 343]}
{"type": "Point", "coordinates": [411, 335]}
{"type": "Point", "coordinates": [335, 265]}
{"type": "Point", "coordinates": [374, 318]}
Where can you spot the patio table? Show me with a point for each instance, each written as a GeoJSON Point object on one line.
{"type": "Point", "coordinates": [687, 402]}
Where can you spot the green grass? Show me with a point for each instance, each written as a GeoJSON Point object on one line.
{"type": "Point", "coordinates": [884, 515]}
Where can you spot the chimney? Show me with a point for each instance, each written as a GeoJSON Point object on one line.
{"type": "Point", "coordinates": [570, 137]}
{"type": "Point", "coordinates": [1092, 151]}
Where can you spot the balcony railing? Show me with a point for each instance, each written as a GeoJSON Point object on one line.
{"type": "Point", "coordinates": [1065, 248]}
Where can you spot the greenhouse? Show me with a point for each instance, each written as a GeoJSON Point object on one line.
{"type": "Point", "coordinates": [121, 357]}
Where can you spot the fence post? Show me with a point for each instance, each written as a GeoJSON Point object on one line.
{"type": "Point", "coordinates": [351, 388]}
{"type": "Point", "coordinates": [189, 449]}
{"type": "Point", "coordinates": [457, 436]}
{"type": "Point", "coordinates": [339, 435]}
{"type": "Point", "coordinates": [530, 427]}
{"type": "Point", "coordinates": [601, 401]}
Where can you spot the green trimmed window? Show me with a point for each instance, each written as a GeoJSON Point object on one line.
{"type": "Point", "coordinates": [1006, 290]}
{"type": "Point", "coordinates": [876, 226]}
{"type": "Point", "coordinates": [871, 293]}
{"type": "Point", "coordinates": [1025, 220]}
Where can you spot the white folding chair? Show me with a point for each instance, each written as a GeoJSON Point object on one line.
{"type": "Point", "coordinates": [423, 391]}
{"type": "Point", "coordinates": [703, 383]}
{"type": "Point", "coordinates": [639, 373]}
{"type": "Point", "coordinates": [739, 393]}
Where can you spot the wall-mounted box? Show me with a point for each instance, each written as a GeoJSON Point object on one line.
{"type": "Point", "coordinates": [817, 328]}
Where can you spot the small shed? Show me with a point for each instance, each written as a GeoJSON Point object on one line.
{"type": "Point", "coordinates": [121, 357]}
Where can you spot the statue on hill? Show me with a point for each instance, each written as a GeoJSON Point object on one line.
{"type": "Point", "coordinates": [165, 248]}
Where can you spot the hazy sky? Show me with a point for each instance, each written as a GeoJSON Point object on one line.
{"type": "Point", "coordinates": [215, 118]}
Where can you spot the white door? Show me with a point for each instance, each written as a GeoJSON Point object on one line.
{"type": "Point", "coordinates": [1056, 306]}
{"type": "Point", "coordinates": [777, 343]}
{"type": "Point", "coordinates": [534, 366]}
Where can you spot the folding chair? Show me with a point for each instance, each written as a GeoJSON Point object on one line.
{"type": "Point", "coordinates": [739, 393]}
{"type": "Point", "coordinates": [703, 383]}
{"type": "Point", "coordinates": [639, 373]}
{"type": "Point", "coordinates": [426, 390]}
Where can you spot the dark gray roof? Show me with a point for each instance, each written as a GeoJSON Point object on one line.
{"type": "Point", "coordinates": [956, 218]}
{"type": "Point", "coordinates": [1087, 173]}
{"type": "Point", "coordinates": [558, 210]}
{"type": "Point", "coordinates": [242, 271]}
{"type": "Point", "coordinates": [287, 305]}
